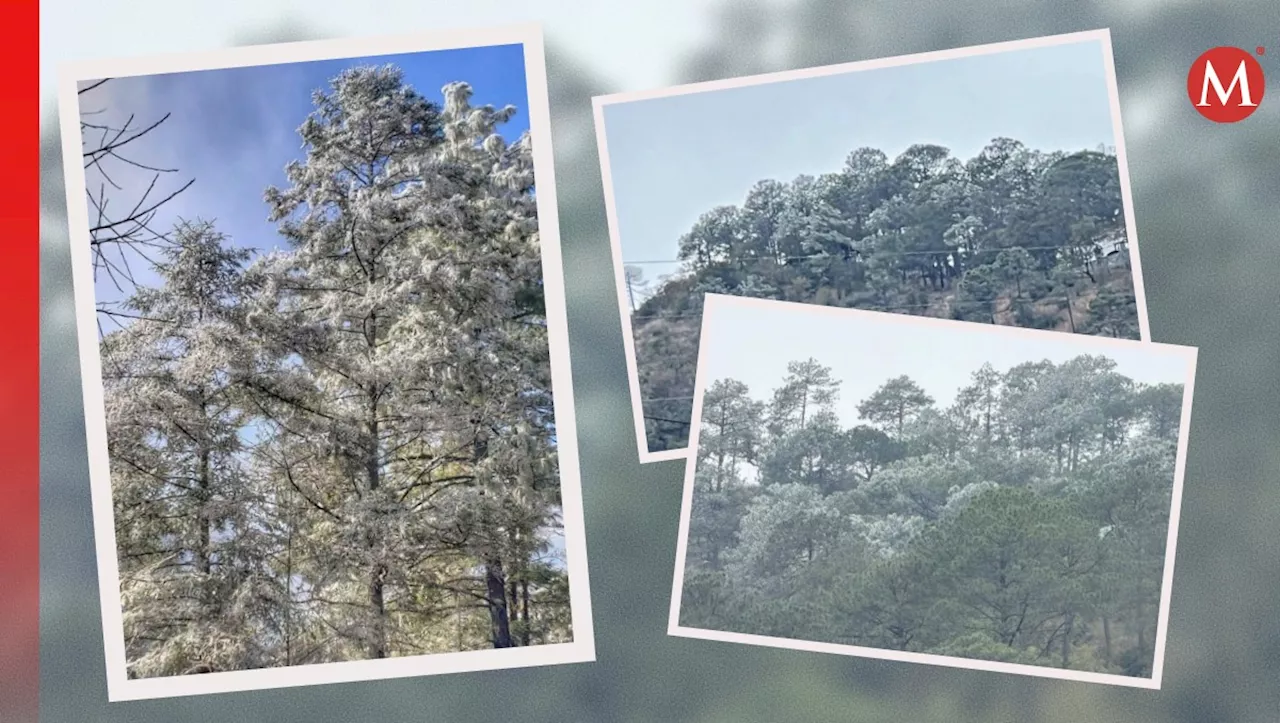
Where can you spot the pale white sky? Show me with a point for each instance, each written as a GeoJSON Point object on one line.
{"type": "Point", "coordinates": [752, 341]}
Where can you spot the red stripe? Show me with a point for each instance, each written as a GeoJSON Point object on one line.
{"type": "Point", "coordinates": [19, 363]}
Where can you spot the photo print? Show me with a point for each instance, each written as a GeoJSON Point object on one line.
{"type": "Point", "coordinates": [933, 491]}
{"type": "Point", "coordinates": [323, 341]}
{"type": "Point", "coordinates": [982, 184]}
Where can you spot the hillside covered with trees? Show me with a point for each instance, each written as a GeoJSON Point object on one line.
{"type": "Point", "coordinates": [1025, 522]}
{"type": "Point", "coordinates": [345, 449]}
{"type": "Point", "coordinates": [1012, 236]}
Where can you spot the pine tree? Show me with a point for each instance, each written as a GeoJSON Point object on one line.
{"type": "Point", "coordinates": [346, 396]}
{"type": "Point", "coordinates": [411, 391]}
{"type": "Point", "coordinates": [174, 424]}
{"type": "Point", "coordinates": [485, 279]}
{"type": "Point", "coordinates": [346, 450]}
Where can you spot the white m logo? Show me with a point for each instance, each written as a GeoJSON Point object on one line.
{"type": "Point", "coordinates": [1241, 78]}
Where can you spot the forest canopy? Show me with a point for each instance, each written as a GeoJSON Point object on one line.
{"type": "Point", "coordinates": [1011, 236]}
{"type": "Point", "coordinates": [345, 449]}
{"type": "Point", "coordinates": [1024, 522]}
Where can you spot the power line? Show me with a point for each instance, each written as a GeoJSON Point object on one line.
{"type": "Point", "coordinates": [883, 309]}
{"type": "Point", "coordinates": [671, 421]}
{"type": "Point", "coordinates": [759, 259]}
{"type": "Point", "coordinates": [887, 309]}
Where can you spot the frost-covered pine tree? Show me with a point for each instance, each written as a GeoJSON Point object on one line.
{"type": "Point", "coordinates": [347, 450]}
{"type": "Point", "coordinates": [482, 277]}
{"type": "Point", "coordinates": [174, 434]}
{"type": "Point", "coordinates": [410, 402]}
{"type": "Point", "coordinates": [346, 394]}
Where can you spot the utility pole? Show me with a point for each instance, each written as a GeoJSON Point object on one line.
{"type": "Point", "coordinates": [1070, 314]}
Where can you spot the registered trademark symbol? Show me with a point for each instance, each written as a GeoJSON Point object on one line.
{"type": "Point", "coordinates": [1260, 50]}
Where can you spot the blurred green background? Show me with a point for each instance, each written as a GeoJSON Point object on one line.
{"type": "Point", "coordinates": [1207, 199]}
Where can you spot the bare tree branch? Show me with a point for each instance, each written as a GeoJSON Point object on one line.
{"type": "Point", "coordinates": [115, 235]}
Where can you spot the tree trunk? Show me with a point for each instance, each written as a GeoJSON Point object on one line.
{"type": "Point", "coordinates": [524, 614]}
{"type": "Point", "coordinates": [288, 580]}
{"type": "Point", "coordinates": [804, 404]}
{"type": "Point", "coordinates": [513, 603]}
{"type": "Point", "coordinates": [377, 576]}
{"type": "Point", "coordinates": [495, 582]}
{"type": "Point", "coordinates": [457, 619]}
{"type": "Point", "coordinates": [378, 643]}
{"type": "Point", "coordinates": [718, 484]}
{"type": "Point", "coordinates": [203, 557]}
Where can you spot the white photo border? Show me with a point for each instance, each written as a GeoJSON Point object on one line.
{"type": "Point", "coordinates": [582, 647]}
{"type": "Point", "coordinates": [599, 102]}
{"type": "Point", "coordinates": [715, 302]}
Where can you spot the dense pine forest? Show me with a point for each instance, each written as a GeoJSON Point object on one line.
{"type": "Point", "coordinates": [1025, 522]}
{"type": "Point", "coordinates": [1012, 236]}
{"type": "Point", "coordinates": [344, 449]}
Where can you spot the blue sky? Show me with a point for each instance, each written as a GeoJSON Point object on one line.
{"type": "Point", "coordinates": [233, 130]}
{"type": "Point", "coordinates": [753, 343]}
{"type": "Point", "coordinates": [674, 158]}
